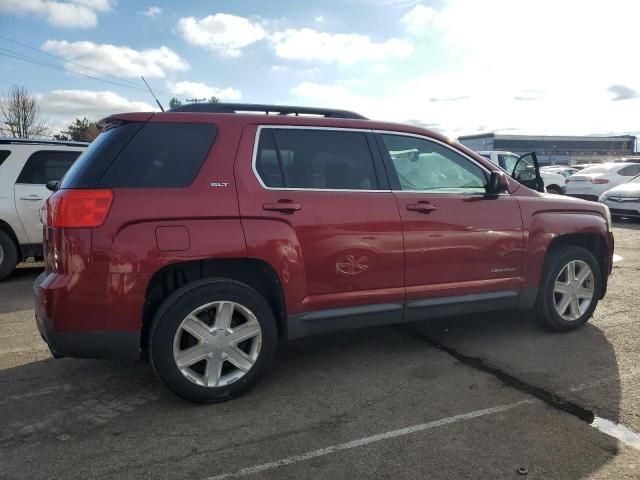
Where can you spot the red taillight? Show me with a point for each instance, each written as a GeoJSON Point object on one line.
{"type": "Point", "coordinates": [599, 181]}
{"type": "Point", "coordinates": [78, 208]}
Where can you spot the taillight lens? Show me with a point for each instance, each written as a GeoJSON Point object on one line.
{"type": "Point", "coordinates": [78, 208]}
{"type": "Point", "coordinates": [599, 181]}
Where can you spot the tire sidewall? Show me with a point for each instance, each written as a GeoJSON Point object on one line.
{"type": "Point", "coordinates": [178, 306]}
{"type": "Point", "coordinates": [556, 263]}
{"type": "Point", "coordinates": [9, 257]}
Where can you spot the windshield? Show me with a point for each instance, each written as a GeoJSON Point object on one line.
{"type": "Point", "coordinates": [635, 179]}
{"type": "Point", "coordinates": [508, 162]}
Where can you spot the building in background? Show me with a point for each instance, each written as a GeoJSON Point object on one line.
{"type": "Point", "coordinates": [554, 150]}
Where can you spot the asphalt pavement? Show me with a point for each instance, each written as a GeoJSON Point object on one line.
{"type": "Point", "coordinates": [485, 396]}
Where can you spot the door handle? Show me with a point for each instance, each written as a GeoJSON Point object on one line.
{"type": "Point", "coordinates": [282, 206]}
{"type": "Point", "coordinates": [31, 197]}
{"type": "Point", "coordinates": [422, 207]}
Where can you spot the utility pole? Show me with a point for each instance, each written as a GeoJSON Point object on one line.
{"type": "Point", "coordinates": [195, 100]}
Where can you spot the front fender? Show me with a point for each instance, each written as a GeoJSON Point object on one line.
{"type": "Point", "coordinates": [545, 227]}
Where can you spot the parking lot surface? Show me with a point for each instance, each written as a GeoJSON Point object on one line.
{"type": "Point", "coordinates": [472, 397]}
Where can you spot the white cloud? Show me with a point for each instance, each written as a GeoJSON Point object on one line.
{"type": "Point", "coordinates": [345, 48]}
{"type": "Point", "coordinates": [152, 11]}
{"type": "Point", "coordinates": [68, 14]}
{"type": "Point", "coordinates": [222, 33]}
{"type": "Point", "coordinates": [419, 19]}
{"type": "Point", "coordinates": [69, 104]}
{"type": "Point", "coordinates": [320, 19]}
{"type": "Point", "coordinates": [117, 60]}
{"type": "Point", "coordinates": [569, 70]}
{"type": "Point", "coordinates": [201, 90]}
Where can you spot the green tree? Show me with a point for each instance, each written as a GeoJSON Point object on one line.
{"type": "Point", "coordinates": [214, 99]}
{"type": "Point", "coordinates": [174, 103]}
{"type": "Point", "coordinates": [82, 130]}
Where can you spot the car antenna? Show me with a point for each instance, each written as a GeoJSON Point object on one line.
{"type": "Point", "coordinates": [152, 94]}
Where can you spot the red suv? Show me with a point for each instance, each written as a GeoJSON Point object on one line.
{"type": "Point", "coordinates": [203, 236]}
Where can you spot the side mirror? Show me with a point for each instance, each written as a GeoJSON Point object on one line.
{"type": "Point", "coordinates": [52, 185]}
{"type": "Point", "coordinates": [498, 183]}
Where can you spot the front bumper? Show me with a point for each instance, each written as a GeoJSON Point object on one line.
{"type": "Point", "coordinates": [85, 344]}
{"type": "Point", "coordinates": [621, 207]}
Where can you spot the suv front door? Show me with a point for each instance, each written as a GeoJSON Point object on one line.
{"type": "Point", "coordinates": [463, 246]}
{"type": "Point", "coordinates": [318, 205]}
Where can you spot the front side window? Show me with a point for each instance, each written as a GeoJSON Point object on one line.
{"type": "Point", "coordinates": [423, 165]}
{"type": "Point", "coordinates": [315, 159]}
{"type": "Point", "coordinates": [46, 166]}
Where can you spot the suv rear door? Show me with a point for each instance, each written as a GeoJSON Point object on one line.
{"type": "Point", "coordinates": [463, 247]}
{"type": "Point", "coordinates": [317, 206]}
{"type": "Point", "coordinates": [30, 191]}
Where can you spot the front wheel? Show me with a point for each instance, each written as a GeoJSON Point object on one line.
{"type": "Point", "coordinates": [212, 340]}
{"type": "Point", "coordinates": [570, 288]}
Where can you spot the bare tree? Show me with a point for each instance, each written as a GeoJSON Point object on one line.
{"type": "Point", "coordinates": [21, 114]}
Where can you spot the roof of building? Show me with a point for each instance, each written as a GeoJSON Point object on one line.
{"type": "Point", "coordinates": [557, 138]}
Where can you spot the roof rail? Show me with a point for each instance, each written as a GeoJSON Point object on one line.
{"type": "Point", "coordinates": [35, 141]}
{"type": "Point", "coordinates": [267, 109]}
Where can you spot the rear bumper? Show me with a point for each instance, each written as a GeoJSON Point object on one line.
{"type": "Point", "coordinates": [84, 344]}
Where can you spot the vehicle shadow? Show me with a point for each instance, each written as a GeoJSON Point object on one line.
{"type": "Point", "coordinates": [12, 293]}
{"type": "Point", "coordinates": [626, 223]}
{"type": "Point", "coordinates": [578, 366]}
{"type": "Point", "coordinates": [116, 418]}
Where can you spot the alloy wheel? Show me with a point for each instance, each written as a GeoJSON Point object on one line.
{"type": "Point", "coordinates": [217, 344]}
{"type": "Point", "coordinates": [573, 290]}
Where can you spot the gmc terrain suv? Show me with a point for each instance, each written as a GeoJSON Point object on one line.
{"type": "Point", "coordinates": [203, 236]}
{"type": "Point", "coordinates": [26, 166]}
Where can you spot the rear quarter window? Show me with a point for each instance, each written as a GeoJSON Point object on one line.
{"type": "Point", "coordinates": [46, 165]}
{"type": "Point", "coordinates": [4, 154]}
{"type": "Point", "coordinates": [161, 155]}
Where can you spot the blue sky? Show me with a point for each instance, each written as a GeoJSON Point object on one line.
{"type": "Point", "coordinates": [458, 66]}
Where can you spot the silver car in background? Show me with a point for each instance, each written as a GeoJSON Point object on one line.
{"type": "Point", "coordinates": [623, 200]}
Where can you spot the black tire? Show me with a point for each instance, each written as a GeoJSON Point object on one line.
{"type": "Point", "coordinates": [184, 301]}
{"type": "Point", "coordinates": [554, 189]}
{"type": "Point", "coordinates": [8, 255]}
{"type": "Point", "coordinates": [555, 262]}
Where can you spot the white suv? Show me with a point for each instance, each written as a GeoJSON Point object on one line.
{"type": "Point", "coordinates": [25, 168]}
{"type": "Point", "coordinates": [553, 182]}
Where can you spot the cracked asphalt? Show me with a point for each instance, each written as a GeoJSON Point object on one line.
{"type": "Point", "coordinates": [375, 403]}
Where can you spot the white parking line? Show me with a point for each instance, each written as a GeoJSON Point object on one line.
{"type": "Point", "coordinates": [367, 440]}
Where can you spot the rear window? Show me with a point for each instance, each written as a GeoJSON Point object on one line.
{"type": "Point", "coordinates": [46, 165]}
{"type": "Point", "coordinates": [630, 171]}
{"type": "Point", "coordinates": [151, 155]}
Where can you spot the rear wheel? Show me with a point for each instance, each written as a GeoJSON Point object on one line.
{"type": "Point", "coordinates": [554, 189]}
{"type": "Point", "coordinates": [212, 340]}
{"type": "Point", "coordinates": [8, 255]}
{"type": "Point", "coordinates": [570, 288]}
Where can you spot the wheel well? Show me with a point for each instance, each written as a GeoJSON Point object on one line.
{"type": "Point", "coordinates": [257, 274]}
{"type": "Point", "coordinates": [5, 227]}
{"type": "Point", "coordinates": [589, 241]}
